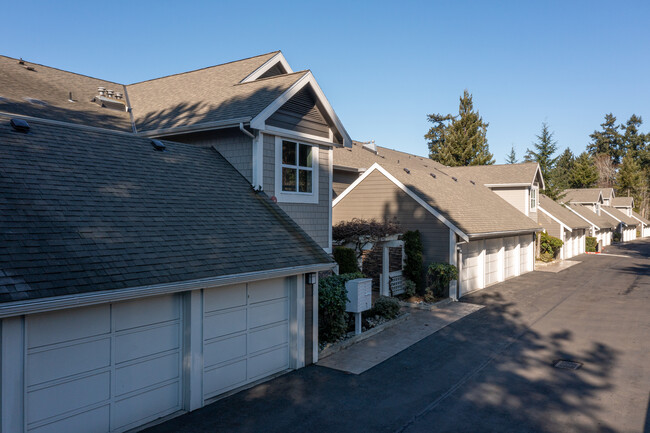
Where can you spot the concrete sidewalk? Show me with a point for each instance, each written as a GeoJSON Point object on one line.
{"type": "Point", "coordinates": [368, 353]}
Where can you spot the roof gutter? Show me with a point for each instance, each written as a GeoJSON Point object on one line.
{"type": "Point", "coordinates": [204, 126]}
{"type": "Point", "coordinates": [245, 131]}
{"type": "Point", "coordinates": [92, 298]}
{"type": "Point", "coordinates": [506, 232]}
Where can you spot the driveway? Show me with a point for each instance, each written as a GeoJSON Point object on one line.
{"type": "Point", "coordinates": [490, 371]}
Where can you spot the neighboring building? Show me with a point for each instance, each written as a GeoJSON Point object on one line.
{"type": "Point", "coordinates": [624, 204]}
{"type": "Point", "coordinates": [461, 222]}
{"type": "Point", "coordinates": [644, 228]}
{"type": "Point", "coordinates": [591, 198]}
{"type": "Point", "coordinates": [626, 225]}
{"type": "Point", "coordinates": [518, 184]}
{"type": "Point", "coordinates": [608, 196]}
{"type": "Point", "coordinates": [602, 227]}
{"type": "Point", "coordinates": [560, 222]}
{"type": "Point", "coordinates": [139, 278]}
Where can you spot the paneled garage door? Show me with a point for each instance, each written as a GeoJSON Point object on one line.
{"type": "Point", "coordinates": [104, 368]}
{"type": "Point", "coordinates": [472, 272]}
{"type": "Point", "coordinates": [511, 258]}
{"type": "Point", "coordinates": [245, 334]}
{"type": "Point", "coordinates": [492, 247]}
{"type": "Point", "coordinates": [525, 251]}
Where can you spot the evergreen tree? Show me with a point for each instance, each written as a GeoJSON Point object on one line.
{"type": "Point", "coordinates": [634, 142]}
{"type": "Point", "coordinates": [511, 158]}
{"type": "Point", "coordinates": [544, 149]}
{"type": "Point", "coordinates": [584, 173]}
{"type": "Point", "coordinates": [459, 140]}
{"type": "Point", "coordinates": [608, 141]}
{"type": "Point", "coordinates": [561, 171]}
{"type": "Point", "coordinates": [630, 179]}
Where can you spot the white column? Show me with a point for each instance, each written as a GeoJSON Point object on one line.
{"type": "Point", "coordinates": [315, 320]}
{"type": "Point", "coordinates": [12, 362]}
{"type": "Point", "coordinates": [297, 321]}
{"type": "Point", "coordinates": [193, 349]}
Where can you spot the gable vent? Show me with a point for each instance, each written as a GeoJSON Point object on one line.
{"type": "Point", "coordinates": [19, 125]}
{"type": "Point", "coordinates": [158, 145]}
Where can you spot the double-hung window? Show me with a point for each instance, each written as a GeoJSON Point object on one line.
{"type": "Point", "coordinates": [533, 199]}
{"type": "Point", "coordinates": [297, 172]}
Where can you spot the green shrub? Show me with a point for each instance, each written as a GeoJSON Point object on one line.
{"type": "Point", "coordinates": [409, 288]}
{"type": "Point", "coordinates": [413, 252]}
{"type": "Point", "coordinates": [386, 307]}
{"type": "Point", "coordinates": [332, 297]}
{"type": "Point", "coordinates": [439, 275]}
{"type": "Point", "coordinates": [616, 237]}
{"type": "Point", "coordinates": [347, 260]}
{"type": "Point", "coordinates": [549, 247]}
{"type": "Point", "coordinates": [590, 244]}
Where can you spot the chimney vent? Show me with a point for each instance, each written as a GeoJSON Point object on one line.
{"type": "Point", "coordinates": [101, 91]}
{"type": "Point", "coordinates": [21, 61]}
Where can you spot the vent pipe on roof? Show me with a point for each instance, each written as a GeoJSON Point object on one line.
{"type": "Point", "coordinates": [110, 93]}
{"type": "Point", "coordinates": [101, 91]}
{"type": "Point", "coordinates": [370, 145]}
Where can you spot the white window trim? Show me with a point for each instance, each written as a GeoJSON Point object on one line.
{"type": "Point", "coordinates": [536, 190]}
{"type": "Point", "coordinates": [296, 197]}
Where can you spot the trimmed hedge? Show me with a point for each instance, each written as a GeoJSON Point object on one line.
{"type": "Point", "coordinates": [347, 260]}
{"type": "Point", "coordinates": [591, 244]}
{"type": "Point", "coordinates": [386, 307]}
{"type": "Point", "coordinates": [439, 275]}
{"type": "Point", "coordinates": [332, 297]}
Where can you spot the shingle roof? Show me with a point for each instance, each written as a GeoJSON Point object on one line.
{"type": "Point", "coordinates": [497, 174]}
{"type": "Point", "coordinates": [602, 221]}
{"type": "Point", "coordinates": [607, 192]}
{"type": "Point", "coordinates": [639, 217]}
{"type": "Point", "coordinates": [359, 156]}
{"type": "Point", "coordinates": [622, 201]}
{"type": "Point", "coordinates": [472, 208]}
{"type": "Point", "coordinates": [84, 210]}
{"type": "Point", "coordinates": [582, 195]}
{"type": "Point", "coordinates": [620, 215]}
{"type": "Point", "coordinates": [563, 214]}
{"type": "Point", "coordinates": [53, 87]}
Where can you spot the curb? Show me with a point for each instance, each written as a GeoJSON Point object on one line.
{"type": "Point", "coordinates": [337, 347]}
{"type": "Point", "coordinates": [428, 307]}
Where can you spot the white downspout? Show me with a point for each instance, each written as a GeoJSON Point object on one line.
{"type": "Point", "coordinates": [245, 131]}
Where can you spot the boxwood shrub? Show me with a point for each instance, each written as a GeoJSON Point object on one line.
{"type": "Point", "coordinates": [347, 260]}
{"type": "Point", "coordinates": [591, 243]}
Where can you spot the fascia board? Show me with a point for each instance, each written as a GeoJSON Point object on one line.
{"type": "Point", "coordinates": [278, 58]}
{"type": "Point", "coordinates": [408, 191]}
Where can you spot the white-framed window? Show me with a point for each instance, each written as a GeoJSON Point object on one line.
{"type": "Point", "coordinates": [533, 199]}
{"type": "Point", "coordinates": [296, 178]}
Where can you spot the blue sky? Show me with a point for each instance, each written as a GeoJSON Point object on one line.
{"type": "Point", "coordinates": [383, 65]}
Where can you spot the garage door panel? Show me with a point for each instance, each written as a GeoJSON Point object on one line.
{"type": "Point", "coordinates": [47, 365]}
{"type": "Point", "coordinates": [221, 351]}
{"type": "Point", "coordinates": [92, 421]}
{"type": "Point", "coordinates": [147, 373]}
{"type": "Point", "coordinates": [265, 314]}
{"type": "Point", "coordinates": [145, 312]}
{"type": "Point", "coordinates": [221, 324]}
{"type": "Point", "coordinates": [147, 405]}
{"type": "Point", "coordinates": [492, 261]}
{"type": "Point", "coordinates": [68, 396]}
{"type": "Point", "coordinates": [267, 290]}
{"type": "Point", "coordinates": [267, 363]}
{"type": "Point", "coordinates": [221, 379]}
{"type": "Point", "coordinates": [268, 337]}
{"type": "Point", "coordinates": [135, 345]}
{"type": "Point", "coordinates": [67, 325]}
{"type": "Point", "coordinates": [224, 297]}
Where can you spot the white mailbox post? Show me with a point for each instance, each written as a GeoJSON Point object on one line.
{"type": "Point", "coordinates": [359, 299]}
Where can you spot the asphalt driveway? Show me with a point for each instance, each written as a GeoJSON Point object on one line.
{"type": "Point", "coordinates": [491, 371]}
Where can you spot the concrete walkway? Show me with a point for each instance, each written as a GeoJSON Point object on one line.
{"type": "Point", "coordinates": [554, 267]}
{"type": "Point", "coordinates": [370, 352]}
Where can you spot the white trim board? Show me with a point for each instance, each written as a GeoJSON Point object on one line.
{"type": "Point", "coordinates": [259, 121]}
{"type": "Point", "coordinates": [277, 58]}
{"type": "Point", "coordinates": [404, 188]}
{"type": "Point", "coordinates": [294, 196]}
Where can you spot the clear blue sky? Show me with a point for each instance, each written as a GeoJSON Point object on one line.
{"type": "Point", "coordinates": [383, 65]}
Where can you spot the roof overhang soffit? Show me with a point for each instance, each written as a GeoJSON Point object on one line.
{"type": "Point", "coordinates": [259, 121]}
{"type": "Point", "coordinates": [408, 191]}
{"type": "Point", "coordinates": [277, 58]}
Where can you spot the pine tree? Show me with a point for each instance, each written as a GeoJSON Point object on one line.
{"type": "Point", "coordinates": [633, 142]}
{"type": "Point", "coordinates": [584, 173]}
{"type": "Point", "coordinates": [511, 158]}
{"type": "Point", "coordinates": [544, 149]}
{"type": "Point", "coordinates": [459, 140]}
{"type": "Point", "coordinates": [630, 179]}
{"type": "Point", "coordinates": [608, 141]}
{"type": "Point", "coordinates": [562, 169]}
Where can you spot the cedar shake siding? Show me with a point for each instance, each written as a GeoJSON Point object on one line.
{"type": "Point", "coordinates": [515, 196]}
{"type": "Point", "coordinates": [232, 144]}
{"type": "Point", "coordinates": [312, 218]}
{"type": "Point", "coordinates": [300, 114]}
{"type": "Point", "coordinates": [377, 197]}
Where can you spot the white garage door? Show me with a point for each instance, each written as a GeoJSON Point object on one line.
{"type": "Point", "coordinates": [104, 368]}
{"type": "Point", "coordinates": [472, 272]}
{"type": "Point", "coordinates": [245, 334]}
{"type": "Point", "coordinates": [511, 258]}
{"type": "Point", "coordinates": [525, 253]}
{"type": "Point", "coordinates": [492, 247]}
{"type": "Point", "coordinates": [568, 243]}
{"type": "Point", "coordinates": [576, 242]}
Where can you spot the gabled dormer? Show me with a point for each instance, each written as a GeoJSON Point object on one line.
{"type": "Point", "coordinates": [276, 65]}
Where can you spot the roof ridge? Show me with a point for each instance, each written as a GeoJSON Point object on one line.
{"type": "Point", "coordinates": [202, 69]}
{"type": "Point", "coordinates": [62, 70]}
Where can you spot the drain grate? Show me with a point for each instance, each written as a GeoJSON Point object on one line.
{"type": "Point", "coordinates": [567, 365]}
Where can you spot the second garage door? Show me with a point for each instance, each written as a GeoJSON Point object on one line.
{"type": "Point", "coordinates": [492, 262]}
{"type": "Point", "coordinates": [245, 334]}
{"type": "Point", "coordinates": [511, 259]}
{"type": "Point", "coordinates": [525, 251]}
{"type": "Point", "coordinates": [472, 272]}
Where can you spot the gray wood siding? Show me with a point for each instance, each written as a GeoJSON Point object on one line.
{"type": "Point", "coordinates": [313, 218]}
{"type": "Point", "coordinates": [236, 147]}
{"type": "Point", "coordinates": [515, 196]}
{"type": "Point", "coordinates": [377, 197]}
{"type": "Point", "coordinates": [552, 227]}
{"type": "Point", "coordinates": [301, 114]}
{"type": "Point", "coordinates": [342, 180]}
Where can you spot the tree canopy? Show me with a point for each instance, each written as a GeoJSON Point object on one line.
{"type": "Point", "coordinates": [511, 158]}
{"type": "Point", "coordinates": [584, 173]}
{"type": "Point", "coordinates": [459, 140]}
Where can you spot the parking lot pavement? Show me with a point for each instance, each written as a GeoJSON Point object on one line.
{"type": "Point", "coordinates": [490, 371]}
